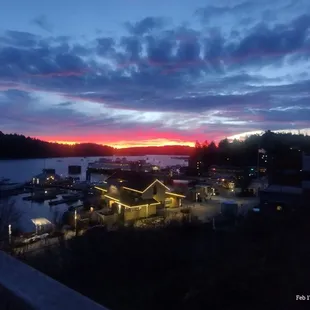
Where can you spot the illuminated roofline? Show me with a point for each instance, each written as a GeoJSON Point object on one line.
{"type": "Point", "coordinates": [154, 183]}
{"type": "Point", "coordinates": [112, 198]}
{"type": "Point", "coordinates": [144, 205]}
{"type": "Point", "coordinates": [174, 194]}
{"type": "Point", "coordinates": [132, 189]}
{"type": "Point", "coordinates": [141, 192]}
{"type": "Point", "coordinates": [127, 206]}
{"type": "Point", "coordinates": [101, 189]}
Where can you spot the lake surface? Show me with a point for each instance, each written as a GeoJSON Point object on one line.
{"type": "Point", "coordinates": [31, 210]}
{"type": "Point", "coordinates": [25, 170]}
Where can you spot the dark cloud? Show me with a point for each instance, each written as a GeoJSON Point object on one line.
{"type": "Point", "coordinates": [180, 69]}
{"type": "Point", "coordinates": [264, 42]}
{"type": "Point", "coordinates": [133, 48]}
{"type": "Point", "coordinates": [245, 8]}
{"type": "Point", "coordinates": [42, 22]}
{"type": "Point", "coordinates": [66, 104]}
{"type": "Point", "coordinates": [105, 46]}
{"type": "Point", "coordinates": [146, 25]}
{"type": "Point", "coordinates": [19, 39]}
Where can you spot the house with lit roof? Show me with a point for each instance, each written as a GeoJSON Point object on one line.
{"type": "Point", "coordinates": [137, 195]}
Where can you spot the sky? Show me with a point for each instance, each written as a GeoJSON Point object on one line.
{"type": "Point", "coordinates": [141, 72]}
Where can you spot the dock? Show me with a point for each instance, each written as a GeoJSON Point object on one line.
{"type": "Point", "coordinates": [40, 198]}
{"type": "Point", "coordinates": [60, 201]}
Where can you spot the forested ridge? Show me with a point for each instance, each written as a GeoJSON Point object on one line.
{"type": "Point", "coordinates": [14, 146]}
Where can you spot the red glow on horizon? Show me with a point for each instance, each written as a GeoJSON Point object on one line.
{"type": "Point", "coordinates": [129, 144]}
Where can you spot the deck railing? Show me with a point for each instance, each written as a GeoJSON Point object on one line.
{"type": "Point", "coordinates": [24, 288]}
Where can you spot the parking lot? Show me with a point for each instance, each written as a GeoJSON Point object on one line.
{"type": "Point", "coordinates": [210, 208]}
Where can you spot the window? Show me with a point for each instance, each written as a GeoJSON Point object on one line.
{"type": "Point", "coordinates": [155, 190]}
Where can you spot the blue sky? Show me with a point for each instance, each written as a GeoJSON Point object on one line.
{"type": "Point", "coordinates": [159, 72]}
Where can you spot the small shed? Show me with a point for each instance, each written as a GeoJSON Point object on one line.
{"type": "Point", "coordinates": [36, 225]}
{"type": "Point", "coordinates": [42, 225]}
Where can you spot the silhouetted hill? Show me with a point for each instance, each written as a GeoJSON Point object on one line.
{"type": "Point", "coordinates": [14, 146]}
{"type": "Point", "coordinates": [156, 150]}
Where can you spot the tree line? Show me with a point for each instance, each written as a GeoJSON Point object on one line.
{"type": "Point", "coordinates": [14, 146]}
{"type": "Point", "coordinates": [245, 153]}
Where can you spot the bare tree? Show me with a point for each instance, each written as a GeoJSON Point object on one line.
{"type": "Point", "coordinates": [9, 215]}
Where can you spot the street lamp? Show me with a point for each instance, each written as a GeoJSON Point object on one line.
{"type": "Point", "coordinates": [10, 233]}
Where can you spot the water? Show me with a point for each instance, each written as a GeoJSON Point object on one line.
{"type": "Point", "coordinates": [25, 170]}
{"type": "Point", "coordinates": [30, 210]}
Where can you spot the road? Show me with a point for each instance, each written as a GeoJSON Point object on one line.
{"type": "Point", "coordinates": [40, 245]}
{"type": "Point", "coordinates": [205, 211]}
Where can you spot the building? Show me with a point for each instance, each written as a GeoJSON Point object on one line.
{"type": "Point", "coordinates": [199, 167]}
{"type": "Point", "coordinates": [257, 185]}
{"type": "Point", "coordinates": [224, 171]}
{"type": "Point", "coordinates": [142, 166]}
{"type": "Point", "coordinates": [137, 195]}
{"type": "Point", "coordinates": [286, 169]}
{"type": "Point", "coordinates": [48, 176]}
{"type": "Point", "coordinates": [123, 164]}
{"type": "Point", "coordinates": [283, 196]}
{"type": "Point", "coordinates": [106, 164]}
{"type": "Point", "coordinates": [306, 177]}
{"type": "Point", "coordinates": [287, 178]}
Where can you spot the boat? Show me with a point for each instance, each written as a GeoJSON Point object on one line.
{"type": "Point", "coordinates": [3, 180]}
{"type": "Point", "coordinates": [71, 196]}
{"type": "Point", "coordinates": [6, 185]}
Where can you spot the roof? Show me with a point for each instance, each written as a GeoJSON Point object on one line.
{"type": "Point", "coordinates": [175, 194]}
{"type": "Point", "coordinates": [41, 221]}
{"type": "Point", "coordinates": [135, 180]}
{"type": "Point", "coordinates": [44, 175]}
{"type": "Point", "coordinates": [102, 187]}
{"type": "Point", "coordinates": [129, 200]}
{"type": "Point", "coordinates": [283, 189]}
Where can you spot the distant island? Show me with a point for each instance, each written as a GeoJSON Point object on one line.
{"type": "Point", "coordinates": [14, 146]}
